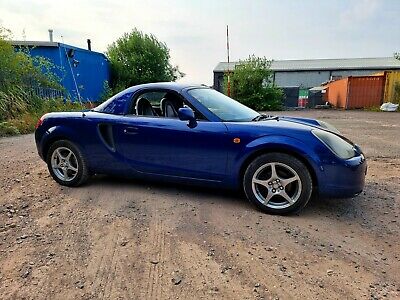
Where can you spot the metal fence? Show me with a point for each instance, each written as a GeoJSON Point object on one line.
{"type": "Point", "coordinates": [46, 93]}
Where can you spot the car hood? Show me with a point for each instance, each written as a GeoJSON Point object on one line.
{"type": "Point", "coordinates": [299, 128]}
{"type": "Point", "coordinates": [282, 122]}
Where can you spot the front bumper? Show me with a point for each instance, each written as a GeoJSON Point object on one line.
{"type": "Point", "coordinates": [345, 179]}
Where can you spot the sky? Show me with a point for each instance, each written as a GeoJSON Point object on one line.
{"type": "Point", "coordinates": [195, 30]}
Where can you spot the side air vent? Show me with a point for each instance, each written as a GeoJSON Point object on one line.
{"type": "Point", "coordinates": [106, 136]}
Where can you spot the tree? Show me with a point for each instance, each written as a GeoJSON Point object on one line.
{"type": "Point", "coordinates": [19, 68]}
{"type": "Point", "coordinates": [137, 58]}
{"type": "Point", "coordinates": [397, 55]}
{"type": "Point", "coordinates": [252, 84]}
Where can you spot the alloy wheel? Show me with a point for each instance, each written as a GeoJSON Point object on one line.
{"type": "Point", "coordinates": [64, 164]}
{"type": "Point", "coordinates": [276, 185]}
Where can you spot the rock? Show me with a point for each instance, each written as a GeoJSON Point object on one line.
{"type": "Point", "coordinates": [80, 284]}
{"type": "Point", "coordinates": [329, 272]}
{"type": "Point", "coordinates": [124, 243]}
{"type": "Point", "coordinates": [25, 271]}
{"type": "Point", "coordinates": [154, 261]}
{"type": "Point", "coordinates": [176, 279]}
{"type": "Point", "coordinates": [257, 285]}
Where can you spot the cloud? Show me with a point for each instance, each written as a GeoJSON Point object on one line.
{"type": "Point", "coordinates": [359, 12]}
{"type": "Point", "coordinates": [195, 30]}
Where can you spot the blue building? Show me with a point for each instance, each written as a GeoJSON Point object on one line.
{"type": "Point", "coordinates": [82, 72]}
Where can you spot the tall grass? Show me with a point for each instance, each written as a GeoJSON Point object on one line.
{"type": "Point", "coordinates": [20, 109]}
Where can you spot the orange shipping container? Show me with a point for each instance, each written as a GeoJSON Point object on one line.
{"type": "Point", "coordinates": [356, 92]}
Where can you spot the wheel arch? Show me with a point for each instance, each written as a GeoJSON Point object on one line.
{"type": "Point", "coordinates": [56, 134]}
{"type": "Point", "coordinates": [278, 149]}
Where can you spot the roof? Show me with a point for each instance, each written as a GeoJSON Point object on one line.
{"type": "Point", "coordinates": [34, 43]}
{"type": "Point", "coordinates": [175, 86]}
{"type": "Point", "coordinates": [49, 44]}
{"type": "Point", "coordinates": [378, 63]}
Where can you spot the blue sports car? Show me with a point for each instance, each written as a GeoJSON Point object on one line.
{"type": "Point", "coordinates": [194, 134]}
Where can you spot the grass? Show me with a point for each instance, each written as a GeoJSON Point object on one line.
{"type": "Point", "coordinates": [26, 120]}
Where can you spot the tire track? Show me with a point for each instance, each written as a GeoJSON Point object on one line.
{"type": "Point", "coordinates": [154, 289]}
{"type": "Point", "coordinates": [106, 262]}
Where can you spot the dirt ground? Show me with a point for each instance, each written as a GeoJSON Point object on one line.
{"type": "Point", "coordinates": [129, 239]}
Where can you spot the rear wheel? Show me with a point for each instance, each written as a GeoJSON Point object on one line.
{"type": "Point", "coordinates": [66, 164]}
{"type": "Point", "coordinates": [278, 183]}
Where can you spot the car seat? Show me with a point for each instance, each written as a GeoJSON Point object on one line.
{"type": "Point", "coordinates": [169, 108]}
{"type": "Point", "coordinates": [144, 108]}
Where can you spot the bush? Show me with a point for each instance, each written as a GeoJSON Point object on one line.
{"type": "Point", "coordinates": [107, 92]}
{"type": "Point", "coordinates": [7, 129]}
{"type": "Point", "coordinates": [252, 85]}
{"type": "Point", "coordinates": [25, 122]}
{"type": "Point", "coordinates": [20, 77]}
{"type": "Point", "coordinates": [13, 102]}
{"type": "Point", "coordinates": [137, 58]}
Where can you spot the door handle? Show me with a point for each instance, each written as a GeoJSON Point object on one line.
{"type": "Point", "coordinates": [130, 130]}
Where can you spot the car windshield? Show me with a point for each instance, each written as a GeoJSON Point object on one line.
{"type": "Point", "coordinates": [225, 108]}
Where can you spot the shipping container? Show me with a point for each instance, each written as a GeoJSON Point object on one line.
{"type": "Point", "coordinates": [356, 92]}
{"type": "Point", "coordinates": [336, 93]}
{"type": "Point", "coordinates": [392, 87]}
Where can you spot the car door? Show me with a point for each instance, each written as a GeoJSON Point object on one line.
{"type": "Point", "coordinates": [168, 146]}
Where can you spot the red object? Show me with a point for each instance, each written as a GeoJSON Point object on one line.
{"type": "Point", "coordinates": [356, 92]}
{"type": "Point", "coordinates": [302, 102]}
{"type": "Point", "coordinates": [39, 122]}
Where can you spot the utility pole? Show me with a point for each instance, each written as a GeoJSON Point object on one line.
{"type": "Point", "coordinates": [227, 48]}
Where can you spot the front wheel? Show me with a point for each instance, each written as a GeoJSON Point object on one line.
{"type": "Point", "coordinates": [278, 183]}
{"type": "Point", "coordinates": [67, 164]}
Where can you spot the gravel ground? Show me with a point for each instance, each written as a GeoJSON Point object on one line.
{"type": "Point", "coordinates": [130, 239]}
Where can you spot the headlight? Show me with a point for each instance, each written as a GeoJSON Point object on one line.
{"type": "Point", "coordinates": [327, 126]}
{"type": "Point", "coordinates": [336, 144]}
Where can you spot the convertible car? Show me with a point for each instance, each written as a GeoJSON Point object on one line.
{"type": "Point", "coordinates": [194, 134]}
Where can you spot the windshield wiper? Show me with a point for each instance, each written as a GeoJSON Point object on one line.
{"type": "Point", "coordinates": [263, 117]}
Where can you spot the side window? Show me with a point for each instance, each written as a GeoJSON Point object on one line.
{"type": "Point", "coordinates": [147, 103]}
{"type": "Point", "coordinates": [160, 103]}
{"type": "Point", "coordinates": [154, 98]}
{"type": "Point", "coordinates": [117, 105]}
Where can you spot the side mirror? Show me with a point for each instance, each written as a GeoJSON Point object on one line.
{"type": "Point", "coordinates": [187, 114]}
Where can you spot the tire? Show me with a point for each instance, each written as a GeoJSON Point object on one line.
{"type": "Point", "coordinates": [287, 190]}
{"type": "Point", "coordinates": [66, 164]}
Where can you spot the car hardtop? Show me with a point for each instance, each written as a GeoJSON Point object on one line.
{"type": "Point", "coordinates": [173, 86]}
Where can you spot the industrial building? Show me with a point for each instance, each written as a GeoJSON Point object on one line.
{"type": "Point", "coordinates": [299, 78]}
{"type": "Point", "coordinates": [310, 73]}
{"type": "Point", "coordinates": [82, 71]}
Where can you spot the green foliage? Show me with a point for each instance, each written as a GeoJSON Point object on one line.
{"type": "Point", "coordinates": [19, 68]}
{"type": "Point", "coordinates": [107, 92]}
{"type": "Point", "coordinates": [13, 102]}
{"type": "Point", "coordinates": [137, 58]}
{"type": "Point", "coordinates": [26, 120]}
{"type": "Point", "coordinates": [7, 129]}
{"type": "Point", "coordinates": [20, 75]}
{"type": "Point", "coordinates": [252, 85]}
{"type": "Point", "coordinates": [397, 55]}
